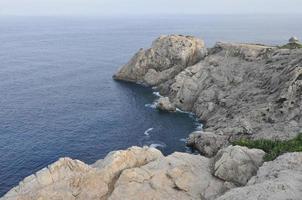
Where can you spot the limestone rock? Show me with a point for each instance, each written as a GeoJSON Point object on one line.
{"type": "Point", "coordinates": [164, 104]}
{"type": "Point", "coordinates": [178, 176]}
{"type": "Point", "coordinates": [207, 143]}
{"type": "Point", "coordinates": [168, 56]}
{"type": "Point", "coordinates": [237, 164]}
{"type": "Point", "coordinates": [73, 179]}
{"type": "Point", "coordinates": [135, 173]}
{"type": "Point", "coordinates": [276, 180]}
{"type": "Point", "coordinates": [243, 90]}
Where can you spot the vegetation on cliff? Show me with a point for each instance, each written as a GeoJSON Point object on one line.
{"type": "Point", "coordinates": [273, 148]}
{"type": "Point", "coordinates": [291, 46]}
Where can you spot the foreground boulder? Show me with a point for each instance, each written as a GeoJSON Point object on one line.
{"type": "Point", "coordinates": [178, 176]}
{"type": "Point", "coordinates": [73, 179]}
{"type": "Point", "coordinates": [276, 180]}
{"type": "Point", "coordinates": [144, 173]}
{"type": "Point", "coordinates": [237, 164]}
{"type": "Point", "coordinates": [168, 56]}
{"type": "Point", "coordinates": [136, 173]}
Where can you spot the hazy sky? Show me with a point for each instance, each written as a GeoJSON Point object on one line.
{"type": "Point", "coordinates": [139, 7]}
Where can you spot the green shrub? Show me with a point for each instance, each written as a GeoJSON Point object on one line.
{"type": "Point", "coordinates": [291, 46]}
{"type": "Point", "coordinates": [273, 148]}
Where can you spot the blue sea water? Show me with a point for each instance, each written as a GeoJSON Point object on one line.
{"type": "Point", "coordinates": [57, 97]}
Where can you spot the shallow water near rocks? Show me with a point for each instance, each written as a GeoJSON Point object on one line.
{"type": "Point", "coordinates": [58, 98]}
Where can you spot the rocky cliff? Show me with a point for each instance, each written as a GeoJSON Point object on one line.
{"type": "Point", "coordinates": [236, 90]}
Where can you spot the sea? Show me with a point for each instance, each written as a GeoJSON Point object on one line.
{"type": "Point", "coordinates": [58, 98]}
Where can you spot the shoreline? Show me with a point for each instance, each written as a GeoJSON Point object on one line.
{"type": "Point", "coordinates": [240, 91]}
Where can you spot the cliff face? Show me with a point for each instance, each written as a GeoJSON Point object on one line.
{"type": "Point", "coordinates": [234, 89]}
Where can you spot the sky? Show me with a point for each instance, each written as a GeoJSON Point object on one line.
{"type": "Point", "coordinates": [148, 7]}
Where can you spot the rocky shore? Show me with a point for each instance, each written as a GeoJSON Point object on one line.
{"type": "Point", "coordinates": [237, 90]}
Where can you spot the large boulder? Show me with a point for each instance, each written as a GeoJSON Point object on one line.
{"type": "Point", "coordinates": [168, 56]}
{"type": "Point", "coordinates": [237, 164]}
{"type": "Point", "coordinates": [207, 143]}
{"type": "Point", "coordinates": [164, 104]}
{"type": "Point", "coordinates": [276, 180]}
{"type": "Point", "coordinates": [178, 176]}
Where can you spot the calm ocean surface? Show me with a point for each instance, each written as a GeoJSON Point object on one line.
{"type": "Point", "coordinates": [57, 97]}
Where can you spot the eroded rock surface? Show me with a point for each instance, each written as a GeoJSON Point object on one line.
{"type": "Point", "coordinates": [178, 176]}
{"type": "Point", "coordinates": [276, 180]}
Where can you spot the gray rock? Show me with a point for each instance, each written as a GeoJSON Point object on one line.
{"type": "Point", "coordinates": [164, 104]}
{"type": "Point", "coordinates": [276, 180]}
{"type": "Point", "coordinates": [168, 56]}
{"type": "Point", "coordinates": [207, 143]}
{"type": "Point", "coordinates": [237, 164]}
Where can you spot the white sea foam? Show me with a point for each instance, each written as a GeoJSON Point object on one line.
{"type": "Point", "coordinates": [199, 126]}
{"type": "Point", "coordinates": [155, 145]}
{"type": "Point", "coordinates": [147, 132]}
{"type": "Point", "coordinates": [185, 112]}
{"type": "Point", "coordinates": [157, 94]}
{"type": "Point", "coordinates": [149, 105]}
{"type": "Point", "coordinates": [182, 140]}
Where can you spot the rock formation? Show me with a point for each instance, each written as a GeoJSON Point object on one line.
{"type": "Point", "coordinates": [236, 90]}
{"type": "Point", "coordinates": [144, 173]}
{"type": "Point", "coordinates": [168, 56]}
{"type": "Point", "coordinates": [136, 173]}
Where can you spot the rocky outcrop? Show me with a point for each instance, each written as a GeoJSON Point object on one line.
{"type": "Point", "coordinates": [144, 173]}
{"type": "Point", "coordinates": [236, 90]}
{"type": "Point", "coordinates": [276, 180]}
{"type": "Point", "coordinates": [164, 104]}
{"type": "Point", "coordinates": [207, 143]}
{"type": "Point", "coordinates": [73, 179]}
{"type": "Point", "coordinates": [168, 56]}
{"type": "Point", "coordinates": [136, 173]}
{"type": "Point", "coordinates": [237, 164]}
